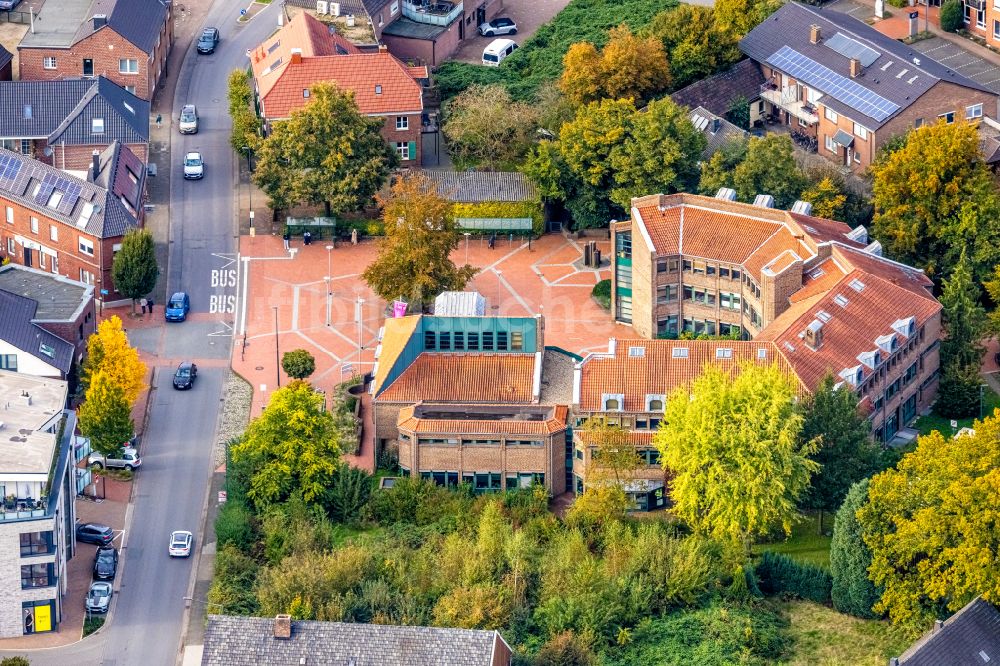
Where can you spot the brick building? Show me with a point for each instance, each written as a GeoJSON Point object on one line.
{"type": "Point", "coordinates": [66, 225]}
{"type": "Point", "coordinates": [462, 400]}
{"type": "Point", "coordinates": [126, 41]}
{"type": "Point", "coordinates": [841, 81]}
{"type": "Point", "coordinates": [37, 515]}
{"type": "Point", "coordinates": [305, 52]}
{"type": "Point", "coordinates": [45, 321]}
{"type": "Point", "coordinates": [63, 122]}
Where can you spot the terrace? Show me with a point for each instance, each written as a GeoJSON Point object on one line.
{"type": "Point", "coordinates": [432, 12]}
{"type": "Point", "coordinates": [789, 101]}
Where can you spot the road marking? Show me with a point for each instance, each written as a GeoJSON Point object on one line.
{"type": "Point", "coordinates": [225, 333]}
{"type": "Point", "coordinates": [228, 257]}
{"type": "Point", "coordinates": [243, 296]}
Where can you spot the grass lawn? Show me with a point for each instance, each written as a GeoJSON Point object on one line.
{"type": "Point", "coordinates": [821, 635]}
{"type": "Point", "coordinates": [926, 424]}
{"type": "Point", "coordinates": [805, 544]}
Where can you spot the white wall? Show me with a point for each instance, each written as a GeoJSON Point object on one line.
{"type": "Point", "coordinates": [28, 364]}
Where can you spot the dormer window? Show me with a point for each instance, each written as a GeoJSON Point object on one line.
{"type": "Point", "coordinates": [654, 402]}
{"type": "Point", "coordinates": [870, 358]}
{"type": "Point", "coordinates": [887, 343]}
{"type": "Point", "coordinates": [853, 376]}
{"type": "Point", "coordinates": [612, 402]}
{"type": "Point", "coordinates": [906, 327]}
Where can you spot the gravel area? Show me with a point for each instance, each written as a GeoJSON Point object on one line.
{"type": "Point", "coordinates": [235, 413]}
{"type": "Point", "coordinates": [557, 378]}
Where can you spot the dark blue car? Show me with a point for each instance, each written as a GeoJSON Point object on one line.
{"type": "Point", "coordinates": [178, 307]}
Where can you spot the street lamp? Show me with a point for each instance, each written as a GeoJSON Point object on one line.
{"type": "Point", "coordinates": [328, 278]}
{"type": "Point", "coordinates": [357, 313]}
{"type": "Point", "coordinates": [250, 183]}
{"type": "Point", "coordinates": [467, 234]}
{"type": "Point", "coordinates": [277, 361]}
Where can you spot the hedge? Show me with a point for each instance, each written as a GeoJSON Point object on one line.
{"type": "Point", "coordinates": [780, 574]}
{"type": "Point", "coordinates": [504, 209]}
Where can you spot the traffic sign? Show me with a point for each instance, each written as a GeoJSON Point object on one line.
{"type": "Point", "coordinates": [104, 292]}
{"type": "Point", "coordinates": [243, 12]}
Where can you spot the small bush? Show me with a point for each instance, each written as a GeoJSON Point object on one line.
{"type": "Point", "coordinates": [602, 293]}
{"type": "Point", "coordinates": [348, 493]}
{"type": "Point", "coordinates": [91, 624]}
{"type": "Point", "coordinates": [235, 525]}
{"type": "Point", "coordinates": [233, 586]}
{"type": "Point", "coordinates": [780, 574]}
{"type": "Point", "coordinates": [951, 15]}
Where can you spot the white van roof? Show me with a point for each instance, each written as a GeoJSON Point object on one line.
{"type": "Point", "coordinates": [498, 45]}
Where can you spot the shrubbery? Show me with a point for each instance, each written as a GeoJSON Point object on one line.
{"type": "Point", "coordinates": [780, 574]}
{"type": "Point", "coordinates": [951, 15]}
{"type": "Point", "coordinates": [602, 293]}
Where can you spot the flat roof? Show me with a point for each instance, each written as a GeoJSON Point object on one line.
{"type": "Point", "coordinates": [404, 27]}
{"type": "Point", "coordinates": [58, 28]}
{"type": "Point", "coordinates": [58, 297]}
{"type": "Point", "coordinates": [28, 404]}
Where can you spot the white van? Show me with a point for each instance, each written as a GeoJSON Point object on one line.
{"type": "Point", "coordinates": [497, 50]}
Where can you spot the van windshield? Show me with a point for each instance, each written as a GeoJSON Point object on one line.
{"type": "Point", "coordinates": [489, 57]}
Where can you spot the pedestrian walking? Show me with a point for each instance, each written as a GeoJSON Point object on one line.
{"type": "Point", "coordinates": [354, 236]}
{"type": "Point", "coordinates": [307, 238]}
{"type": "Point", "coordinates": [143, 303]}
{"type": "Point", "coordinates": [149, 304]}
{"type": "Point", "coordinates": [286, 237]}
{"type": "Point", "coordinates": [493, 240]}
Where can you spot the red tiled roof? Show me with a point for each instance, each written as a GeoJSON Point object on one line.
{"type": "Point", "coordinates": [476, 378]}
{"type": "Point", "coordinates": [657, 371]}
{"type": "Point", "coordinates": [280, 81]}
{"type": "Point", "coordinates": [642, 438]}
{"type": "Point", "coordinates": [781, 243]}
{"type": "Point", "coordinates": [907, 277]}
{"type": "Point", "coordinates": [822, 230]}
{"type": "Point", "coordinates": [408, 421]}
{"type": "Point", "coordinates": [818, 280]}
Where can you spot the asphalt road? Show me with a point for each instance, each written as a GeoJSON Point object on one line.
{"type": "Point", "coordinates": [177, 445]}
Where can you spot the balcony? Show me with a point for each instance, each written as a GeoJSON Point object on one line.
{"type": "Point", "coordinates": [23, 508]}
{"type": "Point", "coordinates": [433, 12]}
{"type": "Point", "coordinates": [788, 100]}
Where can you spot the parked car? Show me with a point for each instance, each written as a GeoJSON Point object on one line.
{"type": "Point", "coordinates": [178, 307]}
{"type": "Point", "coordinates": [7, 5]}
{"type": "Point", "coordinates": [194, 166]}
{"type": "Point", "coordinates": [185, 375]}
{"type": "Point", "coordinates": [189, 119]}
{"type": "Point", "coordinates": [208, 41]}
{"type": "Point", "coordinates": [128, 458]}
{"type": "Point", "coordinates": [106, 563]}
{"type": "Point", "coordinates": [99, 597]}
{"type": "Point", "coordinates": [498, 26]}
{"type": "Point", "coordinates": [180, 543]}
{"type": "Point", "coordinates": [96, 533]}
{"type": "Point", "coordinates": [497, 51]}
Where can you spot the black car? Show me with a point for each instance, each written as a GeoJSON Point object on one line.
{"type": "Point", "coordinates": [208, 41]}
{"type": "Point", "coordinates": [185, 375]}
{"type": "Point", "coordinates": [106, 563]}
{"type": "Point", "coordinates": [96, 533]}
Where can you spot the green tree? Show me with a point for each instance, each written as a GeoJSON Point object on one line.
{"type": "Point", "coordinates": [108, 351]}
{"type": "Point", "coordinates": [614, 462]}
{"type": "Point", "coordinates": [15, 661]}
{"type": "Point", "coordinates": [246, 123]}
{"type": "Point", "coordinates": [298, 363]}
{"type": "Point", "coordinates": [414, 257]}
{"type": "Point", "coordinates": [717, 172]}
{"type": "Point", "coordinates": [738, 112]}
{"type": "Point", "coordinates": [348, 494]}
{"type": "Point", "coordinates": [846, 451]}
{"type": "Point", "coordinates": [291, 447]}
{"type": "Point", "coordinates": [964, 322]}
{"type": "Point", "coordinates": [565, 649]}
{"type": "Point", "coordinates": [850, 558]}
{"type": "Point", "coordinates": [734, 448]}
{"type": "Point", "coordinates": [951, 15]}
{"type": "Point", "coordinates": [581, 75]}
{"type": "Point", "coordinates": [327, 152]}
{"type": "Point", "coordinates": [134, 268]}
{"type": "Point", "coordinates": [769, 168]}
{"type": "Point", "coordinates": [931, 525]}
{"type": "Point", "coordinates": [826, 198]}
{"type": "Point", "coordinates": [105, 415]}
{"type": "Point", "coordinates": [628, 67]}
{"type": "Point", "coordinates": [935, 198]}
{"type": "Point", "coordinates": [485, 127]}
{"type": "Point", "coordinates": [695, 45]}
{"type": "Point", "coordinates": [992, 287]}
{"type": "Point", "coordinates": [738, 17]}
{"type": "Point", "coordinates": [660, 154]}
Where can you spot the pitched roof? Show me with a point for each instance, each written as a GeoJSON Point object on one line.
{"type": "Point", "coordinates": [5, 56]}
{"type": "Point", "coordinates": [246, 641]}
{"type": "Point", "coordinates": [97, 210]}
{"type": "Point", "coordinates": [470, 378]}
{"type": "Point", "coordinates": [380, 82]}
{"type": "Point", "coordinates": [635, 369]}
{"type": "Point", "coordinates": [138, 21]}
{"type": "Point", "coordinates": [970, 637]}
{"type": "Point", "coordinates": [58, 298]}
{"type": "Point", "coordinates": [893, 72]}
{"type": "Point", "coordinates": [18, 329]}
{"type": "Point", "coordinates": [717, 93]}
{"type": "Point", "coordinates": [717, 130]}
{"type": "Point", "coordinates": [64, 110]}
{"type": "Point", "coordinates": [482, 186]}
{"type": "Point", "coordinates": [396, 332]}
{"type": "Point", "coordinates": [427, 418]}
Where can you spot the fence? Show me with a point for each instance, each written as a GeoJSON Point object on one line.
{"type": "Point", "coordinates": [18, 17]}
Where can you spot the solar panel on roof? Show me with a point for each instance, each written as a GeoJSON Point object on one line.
{"type": "Point", "coordinates": [10, 166]}
{"type": "Point", "coordinates": [830, 83]}
{"type": "Point", "coordinates": [851, 48]}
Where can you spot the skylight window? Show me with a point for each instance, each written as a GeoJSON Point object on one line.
{"type": "Point", "coordinates": [273, 47]}
{"type": "Point", "coordinates": [679, 352]}
{"type": "Point", "coordinates": [129, 107]}
{"type": "Point", "coordinates": [85, 214]}
{"type": "Point", "coordinates": [857, 285]}
{"type": "Point", "coordinates": [636, 352]}
{"type": "Point", "coordinates": [48, 350]}
{"type": "Point", "coordinates": [762, 353]}
{"type": "Point", "coordinates": [723, 352]}
{"type": "Point", "coordinates": [823, 316]}
{"type": "Point", "coordinates": [840, 300]}
{"type": "Point", "coordinates": [817, 273]}
{"type": "Point", "coordinates": [55, 198]}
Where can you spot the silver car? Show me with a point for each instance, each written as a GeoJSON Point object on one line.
{"type": "Point", "coordinates": [497, 27]}
{"type": "Point", "coordinates": [189, 120]}
{"type": "Point", "coordinates": [194, 167]}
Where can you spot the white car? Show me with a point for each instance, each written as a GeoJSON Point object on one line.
{"type": "Point", "coordinates": [194, 166]}
{"type": "Point", "coordinates": [128, 458]}
{"type": "Point", "coordinates": [180, 543]}
{"type": "Point", "coordinates": [188, 123]}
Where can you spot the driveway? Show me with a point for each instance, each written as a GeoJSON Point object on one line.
{"type": "Point", "coordinates": [529, 16]}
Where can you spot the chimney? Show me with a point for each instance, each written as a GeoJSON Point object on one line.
{"type": "Point", "coordinates": [96, 165]}
{"type": "Point", "coordinates": [382, 48]}
{"type": "Point", "coordinates": [296, 56]}
{"type": "Point", "coordinates": [100, 20]}
{"type": "Point", "coordinates": [814, 335]}
{"type": "Point", "coordinates": [938, 626]}
{"type": "Point", "coordinates": [283, 626]}
{"type": "Point", "coordinates": [855, 68]}
{"type": "Point", "coordinates": [726, 194]}
{"type": "Point", "coordinates": [764, 201]}
{"type": "Point", "coordinates": [815, 34]}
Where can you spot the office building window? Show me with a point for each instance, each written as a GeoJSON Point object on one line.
{"type": "Point", "coordinates": [53, 233]}
{"type": "Point", "coordinates": [34, 225]}
{"type": "Point", "coordinates": [37, 575]}
{"type": "Point", "coordinates": [8, 362]}
{"type": "Point", "coordinates": [974, 111]}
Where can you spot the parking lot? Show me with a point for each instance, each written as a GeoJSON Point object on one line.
{"type": "Point", "coordinates": [959, 60]}
{"type": "Point", "coordinates": [529, 15]}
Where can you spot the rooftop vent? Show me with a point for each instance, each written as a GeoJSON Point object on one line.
{"type": "Point", "coordinates": [283, 626]}
{"type": "Point", "coordinates": [814, 335]}
{"type": "Point", "coordinates": [802, 207]}
{"type": "Point", "coordinates": [726, 193]}
{"type": "Point", "coordinates": [764, 201]}
{"type": "Point", "coordinates": [874, 248]}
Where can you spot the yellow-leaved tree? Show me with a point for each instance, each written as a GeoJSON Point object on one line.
{"type": "Point", "coordinates": [931, 525]}
{"type": "Point", "coordinates": [629, 67]}
{"type": "Point", "coordinates": [108, 351]}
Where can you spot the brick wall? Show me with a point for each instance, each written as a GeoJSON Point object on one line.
{"type": "Point", "coordinates": [410, 135]}
{"type": "Point", "coordinates": [78, 330]}
{"type": "Point", "coordinates": [941, 98]}
{"type": "Point", "coordinates": [776, 290]}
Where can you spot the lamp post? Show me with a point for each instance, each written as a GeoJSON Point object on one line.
{"type": "Point", "coordinates": [328, 278]}
{"type": "Point", "coordinates": [277, 360]}
{"type": "Point", "coordinates": [467, 234]}
{"type": "Point", "coordinates": [250, 183]}
{"type": "Point", "coordinates": [499, 287]}
{"type": "Point", "coordinates": [357, 313]}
